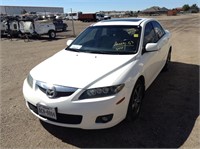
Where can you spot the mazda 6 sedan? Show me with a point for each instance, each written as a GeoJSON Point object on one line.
{"type": "Point", "coordinates": [101, 77]}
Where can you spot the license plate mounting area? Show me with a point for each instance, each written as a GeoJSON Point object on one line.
{"type": "Point", "coordinates": [48, 112]}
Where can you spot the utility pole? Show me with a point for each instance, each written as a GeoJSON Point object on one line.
{"type": "Point", "coordinates": [73, 23]}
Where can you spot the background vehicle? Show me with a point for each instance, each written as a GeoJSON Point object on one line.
{"type": "Point", "coordinates": [101, 16]}
{"type": "Point", "coordinates": [60, 25]}
{"type": "Point", "coordinates": [10, 26]}
{"type": "Point", "coordinates": [14, 27]}
{"type": "Point", "coordinates": [74, 15]}
{"type": "Point", "coordinates": [2, 26]}
{"type": "Point", "coordinates": [92, 17]}
{"type": "Point", "coordinates": [38, 28]}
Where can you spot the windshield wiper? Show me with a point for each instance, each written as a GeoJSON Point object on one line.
{"type": "Point", "coordinates": [90, 51]}
{"type": "Point", "coordinates": [75, 50]}
{"type": "Point", "coordinates": [101, 52]}
{"type": "Point", "coordinates": [98, 52]}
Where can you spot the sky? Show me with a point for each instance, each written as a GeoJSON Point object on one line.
{"type": "Point", "coordinates": [100, 5]}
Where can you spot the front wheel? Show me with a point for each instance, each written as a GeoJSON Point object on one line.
{"type": "Point", "coordinates": [168, 61]}
{"type": "Point", "coordinates": [135, 101]}
{"type": "Point", "coordinates": [52, 34]}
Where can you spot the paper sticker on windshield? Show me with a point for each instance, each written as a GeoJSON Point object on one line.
{"type": "Point", "coordinates": [136, 35]}
{"type": "Point", "coordinates": [75, 46]}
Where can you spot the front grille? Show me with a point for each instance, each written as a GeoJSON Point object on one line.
{"type": "Point", "coordinates": [59, 94]}
{"type": "Point", "coordinates": [61, 118]}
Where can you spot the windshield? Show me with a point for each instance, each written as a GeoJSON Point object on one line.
{"type": "Point", "coordinates": [107, 40]}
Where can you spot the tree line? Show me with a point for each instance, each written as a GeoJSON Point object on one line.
{"type": "Point", "coordinates": [193, 8]}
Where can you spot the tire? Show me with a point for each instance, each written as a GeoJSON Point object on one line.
{"type": "Point", "coordinates": [135, 101]}
{"type": "Point", "coordinates": [52, 34]}
{"type": "Point", "coordinates": [168, 61]}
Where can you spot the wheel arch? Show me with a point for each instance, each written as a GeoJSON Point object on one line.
{"type": "Point", "coordinates": [142, 79]}
{"type": "Point", "coordinates": [51, 30]}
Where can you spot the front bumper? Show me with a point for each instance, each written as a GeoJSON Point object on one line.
{"type": "Point", "coordinates": [79, 113]}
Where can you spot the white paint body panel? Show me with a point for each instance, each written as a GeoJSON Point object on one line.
{"type": "Point", "coordinates": [39, 27]}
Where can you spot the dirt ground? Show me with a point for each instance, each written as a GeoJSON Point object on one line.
{"type": "Point", "coordinates": [170, 112]}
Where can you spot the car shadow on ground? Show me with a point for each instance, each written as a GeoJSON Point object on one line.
{"type": "Point", "coordinates": [168, 114]}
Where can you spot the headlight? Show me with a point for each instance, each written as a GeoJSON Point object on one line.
{"type": "Point", "coordinates": [30, 81]}
{"type": "Point", "coordinates": [101, 92]}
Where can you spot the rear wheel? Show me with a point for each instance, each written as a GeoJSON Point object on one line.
{"type": "Point", "coordinates": [135, 101]}
{"type": "Point", "coordinates": [52, 34]}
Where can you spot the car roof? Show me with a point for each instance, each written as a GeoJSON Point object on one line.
{"type": "Point", "coordinates": [122, 21]}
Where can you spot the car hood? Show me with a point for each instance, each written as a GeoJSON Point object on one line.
{"type": "Point", "coordinates": [77, 69]}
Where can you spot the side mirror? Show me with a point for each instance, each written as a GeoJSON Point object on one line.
{"type": "Point", "coordinates": [167, 32]}
{"type": "Point", "coordinates": [150, 47]}
{"type": "Point", "coordinates": [69, 42]}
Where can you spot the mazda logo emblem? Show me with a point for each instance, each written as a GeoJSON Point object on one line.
{"type": "Point", "coordinates": [51, 92]}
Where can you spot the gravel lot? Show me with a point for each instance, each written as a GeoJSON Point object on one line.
{"type": "Point", "coordinates": [170, 113]}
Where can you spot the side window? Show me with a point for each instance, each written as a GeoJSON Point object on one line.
{"type": "Point", "coordinates": [158, 29]}
{"type": "Point", "coordinates": [149, 34]}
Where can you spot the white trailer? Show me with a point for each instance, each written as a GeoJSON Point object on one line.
{"type": "Point", "coordinates": [40, 27]}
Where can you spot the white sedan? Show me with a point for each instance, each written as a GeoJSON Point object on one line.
{"type": "Point", "coordinates": [101, 77]}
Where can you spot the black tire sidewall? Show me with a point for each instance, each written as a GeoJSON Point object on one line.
{"type": "Point", "coordinates": [50, 34]}
{"type": "Point", "coordinates": [130, 115]}
{"type": "Point", "coordinates": [168, 60]}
